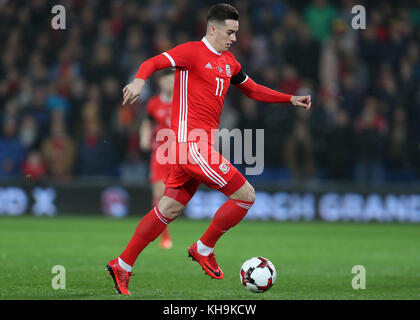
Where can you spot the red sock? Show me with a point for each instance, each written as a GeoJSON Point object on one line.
{"type": "Point", "coordinates": [228, 216]}
{"type": "Point", "coordinates": [165, 232]}
{"type": "Point", "coordinates": [148, 229]}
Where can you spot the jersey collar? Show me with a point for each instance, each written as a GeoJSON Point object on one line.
{"type": "Point", "coordinates": [209, 46]}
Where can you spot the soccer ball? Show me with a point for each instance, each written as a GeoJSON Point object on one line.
{"type": "Point", "coordinates": [258, 274]}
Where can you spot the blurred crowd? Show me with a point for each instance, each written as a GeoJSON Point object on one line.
{"type": "Point", "coordinates": [60, 90]}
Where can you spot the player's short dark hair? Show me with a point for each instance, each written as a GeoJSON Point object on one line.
{"type": "Point", "coordinates": [221, 12]}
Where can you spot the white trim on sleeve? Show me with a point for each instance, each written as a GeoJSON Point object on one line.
{"type": "Point", "coordinates": [170, 59]}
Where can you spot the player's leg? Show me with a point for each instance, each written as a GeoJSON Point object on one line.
{"type": "Point", "coordinates": [181, 189]}
{"type": "Point", "coordinates": [158, 189]}
{"type": "Point", "coordinates": [228, 215]}
{"type": "Point", "coordinates": [148, 229]}
{"type": "Point", "coordinates": [222, 176]}
{"type": "Point", "coordinates": [158, 174]}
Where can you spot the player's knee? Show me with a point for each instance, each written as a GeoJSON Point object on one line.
{"type": "Point", "coordinates": [245, 193]}
{"type": "Point", "coordinates": [170, 208]}
{"type": "Point", "coordinates": [250, 195]}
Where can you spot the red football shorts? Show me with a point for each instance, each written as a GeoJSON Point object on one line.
{"type": "Point", "coordinates": [199, 163]}
{"type": "Point", "coordinates": [158, 171]}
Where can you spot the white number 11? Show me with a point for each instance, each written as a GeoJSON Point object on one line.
{"type": "Point", "coordinates": [219, 92]}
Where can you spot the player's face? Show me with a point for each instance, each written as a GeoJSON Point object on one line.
{"type": "Point", "coordinates": [225, 34]}
{"type": "Point", "coordinates": [166, 83]}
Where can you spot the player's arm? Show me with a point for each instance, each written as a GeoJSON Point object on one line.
{"type": "Point", "coordinates": [133, 89]}
{"type": "Point", "coordinates": [145, 132]}
{"type": "Point", "coordinates": [178, 57]}
{"type": "Point", "coordinates": [264, 94]}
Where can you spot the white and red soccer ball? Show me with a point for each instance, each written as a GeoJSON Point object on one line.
{"type": "Point", "coordinates": [258, 274]}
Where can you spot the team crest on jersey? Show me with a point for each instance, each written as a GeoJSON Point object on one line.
{"type": "Point", "coordinates": [228, 70]}
{"type": "Point", "coordinates": [224, 168]}
{"type": "Point", "coordinates": [219, 69]}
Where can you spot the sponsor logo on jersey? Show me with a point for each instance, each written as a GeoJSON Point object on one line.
{"type": "Point", "coordinates": [219, 69]}
{"type": "Point", "coordinates": [208, 66]}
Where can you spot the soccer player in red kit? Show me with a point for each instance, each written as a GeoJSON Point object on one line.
{"type": "Point", "coordinates": [158, 109]}
{"type": "Point", "coordinates": [204, 71]}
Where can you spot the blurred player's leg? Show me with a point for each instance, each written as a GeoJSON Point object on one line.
{"type": "Point", "coordinates": [166, 239]}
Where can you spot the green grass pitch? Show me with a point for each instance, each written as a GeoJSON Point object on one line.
{"type": "Point", "coordinates": [314, 260]}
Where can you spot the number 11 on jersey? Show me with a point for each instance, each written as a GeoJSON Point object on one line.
{"type": "Point", "coordinates": [219, 85]}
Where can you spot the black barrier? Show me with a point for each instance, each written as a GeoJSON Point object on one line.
{"type": "Point", "coordinates": [81, 198]}
{"type": "Point", "coordinates": [326, 201]}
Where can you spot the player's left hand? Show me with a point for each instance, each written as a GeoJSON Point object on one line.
{"type": "Point", "coordinates": [301, 101]}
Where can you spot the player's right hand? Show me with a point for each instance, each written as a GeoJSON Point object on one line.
{"type": "Point", "coordinates": [132, 91]}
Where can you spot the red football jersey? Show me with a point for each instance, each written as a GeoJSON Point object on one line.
{"type": "Point", "coordinates": [160, 110]}
{"type": "Point", "coordinates": [202, 78]}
